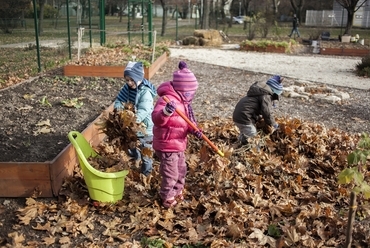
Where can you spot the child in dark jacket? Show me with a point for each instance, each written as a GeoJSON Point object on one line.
{"type": "Point", "coordinates": [140, 92]}
{"type": "Point", "coordinates": [171, 130]}
{"type": "Point", "coordinates": [257, 102]}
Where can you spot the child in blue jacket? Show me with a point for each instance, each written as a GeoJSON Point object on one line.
{"type": "Point", "coordinates": [140, 92]}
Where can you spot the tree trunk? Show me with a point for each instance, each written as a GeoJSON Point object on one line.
{"type": "Point", "coordinates": [41, 15]}
{"type": "Point", "coordinates": [351, 219]}
{"type": "Point", "coordinates": [164, 20]}
{"type": "Point", "coordinates": [205, 22]}
{"type": "Point", "coordinates": [297, 6]}
{"type": "Point", "coordinates": [120, 13]}
{"type": "Point", "coordinates": [351, 6]}
{"type": "Point", "coordinates": [349, 26]}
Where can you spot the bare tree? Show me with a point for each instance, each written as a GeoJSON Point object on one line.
{"type": "Point", "coordinates": [297, 6]}
{"type": "Point", "coordinates": [205, 16]}
{"type": "Point", "coordinates": [246, 5]}
{"type": "Point", "coordinates": [121, 5]}
{"type": "Point", "coordinates": [275, 5]}
{"type": "Point", "coordinates": [41, 16]}
{"type": "Point", "coordinates": [164, 17]}
{"type": "Point", "coordinates": [351, 6]}
{"type": "Point", "coordinates": [9, 11]}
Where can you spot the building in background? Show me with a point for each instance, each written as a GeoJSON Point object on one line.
{"type": "Point", "coordinates": [338, 16]}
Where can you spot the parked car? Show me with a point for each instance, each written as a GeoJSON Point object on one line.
{"type": "Point", "coordinates": [238, 19]}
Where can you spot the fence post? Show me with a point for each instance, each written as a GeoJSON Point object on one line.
{"type": "Point", "coordinates": [37, 35]}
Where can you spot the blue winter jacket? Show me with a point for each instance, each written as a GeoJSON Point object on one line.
{"type": "Point", "coordinates": [142, 97]}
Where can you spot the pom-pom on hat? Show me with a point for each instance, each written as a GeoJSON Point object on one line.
{"type": "Point", "coordinates": [275, 84]}
{"type": "Point", "coordinates": [184, 82]}
{"type": "Point", "coordinates": [135, 71]}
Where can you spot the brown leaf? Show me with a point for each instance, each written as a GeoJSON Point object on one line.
{"type": "Point", "coordinates": [49, 240]}
{"type": "Point", "coordinates": [16, 238]}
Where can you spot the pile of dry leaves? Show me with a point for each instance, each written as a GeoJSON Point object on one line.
{"type": "Point", "coordinates": [119, 54]}
{"type": "Point", "coordinates": [279, 191]}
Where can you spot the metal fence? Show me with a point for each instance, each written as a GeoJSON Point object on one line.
{"type": "Point", "coordinates": [336, 18]}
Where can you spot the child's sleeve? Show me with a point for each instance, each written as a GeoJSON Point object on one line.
{"type": "Point", "coordinates": [266, 110]}
{"type": "Point", "coordinates": [158, 117]}
{"type": "Point", "coordinates": [121, 97]}
{"type": "Point", "coordinates": [144, 106]}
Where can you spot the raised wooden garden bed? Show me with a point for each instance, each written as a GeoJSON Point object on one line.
{"type": "Point", "coordinates": [345, 51]}
{"type": "Point", "coordinates": [269, 49]}
{"type": "Point", "coordinates": [45, 179]}
{"type": "Point", "coordinates": [110, 71]}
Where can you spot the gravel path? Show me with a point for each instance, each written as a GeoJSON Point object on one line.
{"type": "Point", "coordinates": [331, 70]}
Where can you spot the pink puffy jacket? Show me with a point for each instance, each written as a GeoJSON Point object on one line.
{"type": "Point", "coordinates": [169, 132]}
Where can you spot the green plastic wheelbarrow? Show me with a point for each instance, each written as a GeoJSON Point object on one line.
{"type": "Point", "coordinates": [102, 186]}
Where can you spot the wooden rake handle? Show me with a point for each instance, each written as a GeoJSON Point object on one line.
{"type": "Point", "coordinates": [195, 128]}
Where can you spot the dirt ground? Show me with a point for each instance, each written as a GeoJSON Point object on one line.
{"type": "Point", "coordinates": [27, 135]}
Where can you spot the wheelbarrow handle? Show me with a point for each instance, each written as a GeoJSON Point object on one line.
{"type": "Point", "coordinates": [165, 98]}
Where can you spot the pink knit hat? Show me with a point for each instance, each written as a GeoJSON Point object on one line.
{"type": "Point", "coordinates": [184, 82]}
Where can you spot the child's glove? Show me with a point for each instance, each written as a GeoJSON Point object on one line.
{"type": "Point", "coordinates": [117, 110]}
{"type": "Point", "coordinates": [118, 106]}
{"type": "Point", "coordinates": [169, 108]}
{"type": "Point", "coordinates": [198, 133]}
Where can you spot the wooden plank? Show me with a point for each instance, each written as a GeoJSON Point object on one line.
{"type": "Point", "coordinates": [345, 52]}
{"type": "Point", "coordinates": [156, 65]}
{"type": "Point", "coordinates": [21, 179]}
{"type": "Point", "coordinates": [355, 52]}
{"type": "Point", "coordinates": [110, 71]}
{"type": "Point", "coordinates": [25, 188]}
{"type": "Point", "coordinates": [94, 71]}
{"type": "Point", "coordinates": [24, 170]}
{"type": "Point", "coordinates": [62, 167]}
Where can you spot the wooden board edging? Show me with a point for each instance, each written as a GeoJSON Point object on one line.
{"type": "Point", "coordinates": [22, 179]}
{"type": "Point", "coordinates": [110, 71]}
{"type": "Point", "coordinates": [344, 51]}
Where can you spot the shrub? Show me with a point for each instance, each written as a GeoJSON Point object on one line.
{"type": "Point", "coordinates": [363, 68]}
{"type": "Point", "coordinates": [49, 11]}
{"type": "Point", "coordinates": [265, 43]}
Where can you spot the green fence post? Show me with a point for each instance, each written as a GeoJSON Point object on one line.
{"type": "Point", "coordinates": [37, 36]}
{"type": "Point", "coordinates": [90, 34]}
{"type": "Point", "coordinates": [150, 22]}
{"type": "Point", "coordinates": [177, 23]}
{"type": "Point", "coordinates": [128, 23]}
{"type": "Point", "coordinates": [142, 21]}
{"type": "Point", "coordinates": [102, 22]}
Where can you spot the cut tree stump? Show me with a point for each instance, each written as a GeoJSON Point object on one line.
{"type": "Point", "coordinates": [45, 179]}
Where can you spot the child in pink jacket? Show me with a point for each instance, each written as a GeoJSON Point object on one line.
{"type": "Point", "coordinates": [170, 132]}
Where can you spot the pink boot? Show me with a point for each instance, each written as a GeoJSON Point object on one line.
{"type": "Point", "coordinates": [180, 196]}
{"type": "Point", "coordinates": [169, 203]}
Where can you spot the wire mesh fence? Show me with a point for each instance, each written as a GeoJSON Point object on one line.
{"type": "Point", "coordinates": [337, 18]}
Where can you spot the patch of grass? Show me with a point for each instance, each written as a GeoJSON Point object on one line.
{"type": "Point", "coordinates": [44, 101]}
{"type": "Point", "coordinates": [363, 67]}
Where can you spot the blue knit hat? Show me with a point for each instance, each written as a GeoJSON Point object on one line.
{"type": "Point", "coordinates": [135, 71]}
{"type": "Point", "coordinates": [275, 84]}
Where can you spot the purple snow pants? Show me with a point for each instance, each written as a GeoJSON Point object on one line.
{"type": "Point", "coordinates": [173, 171]}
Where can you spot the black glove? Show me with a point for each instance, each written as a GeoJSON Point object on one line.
{"type": "Point", "coordinates": [198, 133]}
